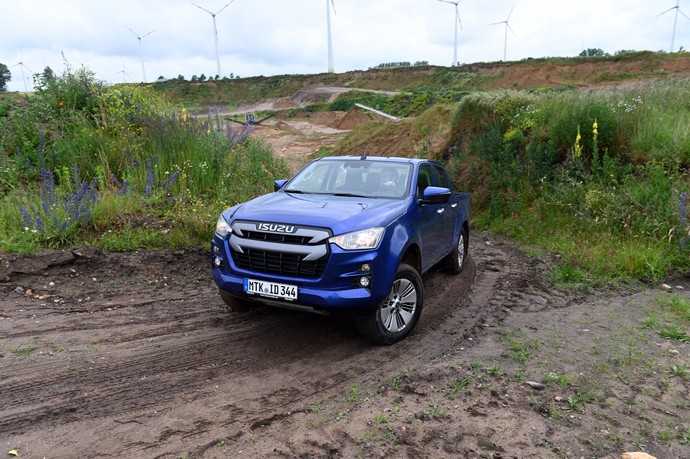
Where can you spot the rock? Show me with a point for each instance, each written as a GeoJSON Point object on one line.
{"type": "Point", "coordinates": [535, 385]}
{"type": "Point", "coordinates": [19, 290]}
{"type": "Point", "coordinates": [680, 287]}
{"type": "Point", "coordinates": [637, 455]}
{"type": "Point", "coordinates": [666, 287]}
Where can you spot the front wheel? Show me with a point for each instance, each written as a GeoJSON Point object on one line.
{"type": "Point", "coordinates": [398, 314]}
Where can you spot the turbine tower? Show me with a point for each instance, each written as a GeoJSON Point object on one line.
{"type": "Point", "coordinates": [23, 68]}
{"type": "Point", "coordinates": [675, 22]}
{"type": "Point", "coordinates": [140, 38]}
{"type": "Point", "coordinates": [329, 4]}
{"type": "Point", "coordinates": [457, 24]}
{"type": "Point", "coordinates": [506, 23]}
{"type": "Point", "coordinates": [215, 30]}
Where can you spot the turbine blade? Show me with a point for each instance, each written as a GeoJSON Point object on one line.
{"type": "Point", "coordinates": [511, 13]}
{"type": "Point", "coordinates": [667, 11]}
{"type": "Point", "coordinates": [497, 23]}
{"type": "Point", "coordinates": [683, 13]}
{"type": "Point", "coordinates": [511, 29]}
{"type": "Point", "coordinates": [448, 2]}
{"type": "Point", "coordinates": [133, 32]}
{"type": "Point", "coordinates": [203, 9]}
{"type": "Point", "coordinates": [147, 34]}
{"type": "Point", "coordinates": [333, 5]}
{"type": "Point", "coordinates": [457, 17]}
{"type": "Point", "coordinates": [226, 5]}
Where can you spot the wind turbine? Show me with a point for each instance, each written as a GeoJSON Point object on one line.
{"type": "Point", "coordinates": [123, 72]}
{"type": "Point", "coordinates": [457, 23]}
{"type": "Point", "coordinates": [140, 38]}
{"type": "Point", "coordinates": [22, 68]}
{"type": "Point", "coordinates": [506, 23]}
{"type": "Point", "coordinates": [331, 65]}
{"type": "Point", "coordinates": [675, 22]}
{"type": "Point", "coordinates": [215, 29]}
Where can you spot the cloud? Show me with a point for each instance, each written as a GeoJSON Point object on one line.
{"type": "Point", "coordinates": [280, 36]}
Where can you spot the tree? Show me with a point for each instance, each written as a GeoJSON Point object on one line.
{"type": "Point", "coordinates": [5, 76]}
{"type": "Point", "coordinates": [593, 52]}
{"type": "Point", "coordinates": [195, 78]}
{"type": "Point", "coordinates": [161, 78]}
{"type": "Point", "coordinates": [44, 79]}
{"type": "Point", "coordinates": [180, 77]}
{"type": "Point", "coordinates": [202, 77]}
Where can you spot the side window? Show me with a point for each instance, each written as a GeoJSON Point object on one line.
{"type": "Point", "coordinates": [428, 176]}
{"type": "Point", "coordinates": [446, 181]}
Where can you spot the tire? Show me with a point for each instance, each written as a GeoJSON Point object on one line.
{"type": "Point", "coordinates": [455, 261]}
{"type": "Point", "coordinates": [234, 304]}
{"type": "Point", "coordinates": [382, 327]}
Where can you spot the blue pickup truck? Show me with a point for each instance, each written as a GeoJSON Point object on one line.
{"type": "Point", "coordinates": [346, 234]}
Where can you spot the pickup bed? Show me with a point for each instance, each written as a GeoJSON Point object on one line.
{"type": "Point", "coordinates": [346, 234]}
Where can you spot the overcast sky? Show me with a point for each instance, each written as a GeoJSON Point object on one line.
{"type": "Point", "coordinates": [266, 37]}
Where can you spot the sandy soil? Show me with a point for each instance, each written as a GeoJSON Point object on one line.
{"type": "Point", "coordinates": [134, 355]}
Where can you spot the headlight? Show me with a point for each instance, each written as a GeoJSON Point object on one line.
{"type": "Point", "coordinates": [359, 240]}
{"type": "Point", "coordinates": [222, 227]}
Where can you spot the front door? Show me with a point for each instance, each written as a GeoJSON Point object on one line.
{"type": "Point", "coordinates": [431, 219]}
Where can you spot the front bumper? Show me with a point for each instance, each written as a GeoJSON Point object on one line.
{"type": "Point", "coordinates": [337, 289]}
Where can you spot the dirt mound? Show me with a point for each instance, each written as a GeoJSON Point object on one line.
{"type": "Point", "coordinates": [353, 119]}
{"type": "Point", "coordinates": [426, 135]}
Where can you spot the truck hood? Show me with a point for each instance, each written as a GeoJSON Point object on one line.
{"type": "Point", "coordinates": [340, 214]}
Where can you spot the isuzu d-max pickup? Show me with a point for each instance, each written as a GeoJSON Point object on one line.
{"type": "Point", "coordinates": [347, 234]}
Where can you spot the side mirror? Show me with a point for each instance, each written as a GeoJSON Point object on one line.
{"type": "Point", "coordinates": [278, 184]}
{"type": "Point", "coordinates": [435, 195]}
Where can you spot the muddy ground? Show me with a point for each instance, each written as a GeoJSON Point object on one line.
{"type": "Point", "coordinates": [133, 355]}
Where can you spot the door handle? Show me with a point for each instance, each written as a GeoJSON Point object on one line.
{"type": "Point", "coordinates": [440, 211]}
{"type": "Point", "coordinates": [454, 205]}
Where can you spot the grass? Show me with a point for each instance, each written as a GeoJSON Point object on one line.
{"type": "Point", "coordinates": [354, 394]}
{"type": "Point", "coordinates": [670, 317]}
{"type": "Point", "coordinates": [680, 371]}
{"type": "Point", "coordinates": [458, 386]}
{"type": "Point", "coordinates": [24, 350]}
{"type": "Point", "coordinates": [557, 379]}
{"type": "Point", "coordinates": [520, 350]}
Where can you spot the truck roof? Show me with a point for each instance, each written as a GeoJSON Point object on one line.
{"type": "Point", "coordinates": [376, 158]}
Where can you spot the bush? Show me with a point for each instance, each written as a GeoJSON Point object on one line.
{"type": "Point", "coordinates": [594, 177]}
{"type": "Point", "coordinates": [82, 162]}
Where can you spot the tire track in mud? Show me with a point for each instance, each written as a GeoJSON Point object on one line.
{"type": "Point", "coordinates": [158, 354]}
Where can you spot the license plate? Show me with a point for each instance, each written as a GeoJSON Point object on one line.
{"type": "Point", "coordinates": [270, 289]}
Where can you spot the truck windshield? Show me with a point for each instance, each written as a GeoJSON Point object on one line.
{"type": "Point", "coordinates": [354, 178]}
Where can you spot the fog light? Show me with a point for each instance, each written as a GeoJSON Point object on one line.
{"type": "Point", "coordinates": [216, 249]}
{"type": "Point", "coordinates": [364, 282]}
{"type": "Point", "coordinates": [365, 268]}
{"type": "Point", "coordinates": [217, 262]}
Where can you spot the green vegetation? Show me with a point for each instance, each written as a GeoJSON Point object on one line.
{"type": "Point", "coordinates": [595, 178]}
{"type": "Point", "coordinates": [119, 168]}
{"type": "Point", "coordinates": [520, 350]}
{"type": "Point", "coordinates": [670, 318]}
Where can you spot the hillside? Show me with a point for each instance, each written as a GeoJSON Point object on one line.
{"type": "Point", "coordinates": [527, 74]}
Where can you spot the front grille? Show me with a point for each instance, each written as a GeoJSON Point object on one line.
{"type": "Point", "coordinates": [275, 237]}
{"type": "Point", "coordinates": [287, 264]}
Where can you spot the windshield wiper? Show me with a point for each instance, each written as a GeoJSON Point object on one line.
{"type": "Point", "coordinates": [350, 195]}
{"type": "Point", "coordinates": [296, 192]}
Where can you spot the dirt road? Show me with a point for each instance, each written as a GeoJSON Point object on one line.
{"type": "Point", "coordinates": [133, 355]}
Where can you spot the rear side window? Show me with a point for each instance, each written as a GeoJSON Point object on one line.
{"type": "Point", "coordinates": [428, 176]}
{"type": "Point", "coordinates": [446, 181]}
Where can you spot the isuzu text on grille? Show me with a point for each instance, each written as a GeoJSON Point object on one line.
{"type": "Point", "coordinates": [346, 235]}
